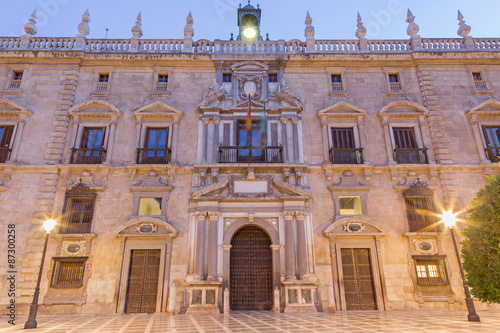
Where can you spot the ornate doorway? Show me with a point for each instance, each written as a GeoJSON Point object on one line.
{"type": "Point", "coordinates": [251, 270]}
{"type": "Point", "coordinates": [358, 279]}
{"type": "Point", "coordinates": [142, 285]}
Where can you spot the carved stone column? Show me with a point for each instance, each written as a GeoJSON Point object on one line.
{"type": "Point", "coordinates": [326, 140]}
{"type": "Point", "coordinates": [17, 139]}
{"type": "Point", "coordinates": [226, 255]}
{"type": "Point", "coordinates": [426, 140]}
{"type": "Point", "coordinates": [290, 141]}
{"type": "Point", "coordinates": [291, 272]}
{"type": "Point", "coordinates": [388, 142]}
{"type": "Point", "coordinates": [200, 246]}
{"type": "Point", "coordinates": [362, 139]}
{"type": "Point", "coordinates": [301, 245]}
{"type": "Point", "coordinates": [111, 139]}
{"type": "Point", "coordinates": [479, 140]}
{"type": "Point", "coordinates": [212, 246]}
{"type": "Point", "coordinates": [276, 265]}
{"type": "Point", "coordinates": [204, 140]}
{"type": "Point", "coordinates": [175, 127]}
{"type": "Point", "coordinates": [210, 140]}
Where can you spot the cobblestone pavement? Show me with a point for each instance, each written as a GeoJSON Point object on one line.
{"type": "Point", "coordinates": [368, 321]}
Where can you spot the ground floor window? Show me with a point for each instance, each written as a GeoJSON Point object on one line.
{"type": "Point", "coordinates": [430, 271]}
{"type": "Point", "coordinates": [68, 272]}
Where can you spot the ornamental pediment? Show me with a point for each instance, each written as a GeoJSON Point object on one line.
{"type": "Point", "coordinates": [9, 109]}
{"type": "Point", "coordinates": [158, 110]}
{"type": "Point", "coordinates": [354, 226]}
{"type": "Point", "coordinates": [403, 109]}
{"type": "Point", "coordinates": [95, 109]}
{"type": "Point", "coordinates": [251, 186]}
{"type": "Point", "coordinates": [146, 227]}
{"type": "Point", "coordinates": [341, 109]}
{"type": "Point", "coordinates": [489, 108]}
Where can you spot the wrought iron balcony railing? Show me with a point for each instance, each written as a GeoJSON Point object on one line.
{"type": "Point", "coordinates": [410, 155]}
{"type": "Point", "coordinates": [346, 155]}
{"type": "Point", "coordinates": [239, 154]}
{"type": "Point", "coordinates": [493, 154]}
{"type": "Point", "coordinates": [88, 155]}
{"type": "Point", "coordinates": [153, 155]}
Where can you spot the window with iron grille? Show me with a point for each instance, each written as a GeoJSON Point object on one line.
{"type": "Point", "coordinates": [394, 82]}
{"type": "Point", "coordinates": [430, 271]}
{"type": "Point", "coordinates": [492, 140]}
{"type": "Point", "coordinates": [162, 83]}
{"type": "Point", "coordinates": [15, 82]}
{"type": "Point", "coordinates": [421, 209]}
{"type": "Point", "coordinates": [273, 77]}
{"type": "Point", "coordinates": [78, 210]}
{"type": "Point", "coordinates": [337, 82]}
{"type": "Point", "coordinates": [68, 272]}
{"type": "Point", "coordinates": [102, 82]}
{"type": "Point", "coordinates": [5, 142]}
{"type": "Point", "coordinates": [226, 77]}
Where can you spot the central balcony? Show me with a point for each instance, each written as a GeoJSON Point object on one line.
{"type": "Point", "coordinates": [410, 155]}
{"type": "Point", "coordinates": [239, 154]}
{"type": "Point", "coordinates": [88, 155]}
{"type": "Point", "coordinates": [153, 155]}
{"type": "Point", "coordinates": [346, 155]}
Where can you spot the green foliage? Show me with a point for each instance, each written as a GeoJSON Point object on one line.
{"type": "Point", "coordinates": [481, 248]}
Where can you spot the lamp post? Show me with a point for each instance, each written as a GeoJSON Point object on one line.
{"type": "Point", "coordinates": [450, 220]}
{"type": "Point", "coordinates": [31, 323]}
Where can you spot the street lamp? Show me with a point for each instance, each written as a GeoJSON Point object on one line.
{"type": "Point", "coordinates": [450, 220]}
{"type": "Point", "coordinates": [48, 225]}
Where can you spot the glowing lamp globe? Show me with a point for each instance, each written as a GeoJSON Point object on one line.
{"type": "Point", "coordinates": [449, 218]}
{"type": "Point", "coordinates": [249, 32]}
{"type": "Point", "coordinates": [49, 224]}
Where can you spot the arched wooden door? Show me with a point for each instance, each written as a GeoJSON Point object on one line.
{"type": "Point", "coordinates": [251, 270]}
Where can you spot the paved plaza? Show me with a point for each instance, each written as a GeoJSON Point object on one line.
{"type": "Point", "coordinates": [368, 321]}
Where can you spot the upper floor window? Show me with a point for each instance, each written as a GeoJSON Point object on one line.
{"type": "Point", "coordinates": [343, 148]}
{"type": "Point", "coordinates": [5, 142]}
{"type": "Point", "coordinates": [15, 82]}
{"type": "Point", "coordinates": [102, 83]}
{"type": "Point", "coordinates": [394, 82]}
{"type": "Point", "coordinates": [430, 271]}
{"type": "Point", "coordinates": [273, 78]}
{"type": "Point", "coordinates": [150, 206]}
{"type": "Point", "coordinates": [155, 149]}
{"type": "Point", "coordinates": [226, 78]}
{"type": "Point", "coordinates": [491, 138]}
{"type": "Point", "coordinates": [68, 272]}
{"type": "Point", "coordinates": [350, 205]}
{"type": "Point", "coordinates": [420, 209]}
{"type": "Point", "coordinates": [406, 150]}
{"type": "Point", "coordinates": [162, 83]}
{"type": "Point", "coordinates": [91, 150]}
{"type": "Point", "coordinates": [337, 82]}
{"type": "Point", "coordinates": [479, 82]}
{"type": "Point", "coordinates": [78, 210]}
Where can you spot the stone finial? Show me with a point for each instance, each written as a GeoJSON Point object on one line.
{"type": "Point", "coordinates": [463, 29]}
{"type": "Point", "coordinates": [413, 28]}
{"type": "Point", "coordinates": [361, 30]}
{"type": "Point", "coordinates": [83, 27]}
{"type": "Point", "coordinates": [30, 27]}
{"type": "Point", "coordinates": [137, 28]}
{"type": "Point", "coordinates": [309, 31]}
{"type": "Point", "coordinates": [188, 29]}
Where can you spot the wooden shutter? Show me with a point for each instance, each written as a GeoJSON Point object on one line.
{"type": "Point", "coordinates": [342, 138]}
{"type": "Point", "coordinates": [404, 137]}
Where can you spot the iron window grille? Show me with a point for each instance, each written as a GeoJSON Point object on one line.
{"type": "Point", "coordinates": [421, 209]}
{"type": "Point", "coordinates": [68, 272]}
{"type": "Point", "coordinates": [430, 271]}
{"type": "Point", "coordinates": [78, 210]}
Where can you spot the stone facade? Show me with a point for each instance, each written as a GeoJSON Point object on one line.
{"type": "Point", "coordinates": [444, 91]}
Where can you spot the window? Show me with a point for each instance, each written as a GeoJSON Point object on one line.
{"type": "Point", "coordinates": [420, 209]}
{"type": "Point", "coordinates": [150, 206]}
{"type": "Point", "coordinates": [68, 272]}
{"type": "Point", "coordinates": [5, 142]}
{"type": "Point", "coordinates": [78, 210]}
{"type": "Point", "coordinates": [430, 271]}
{"type": "Point", "coordinates": [102, 83]}
{"type": "Point", "coordinates": [350, 205]}
{"type": "Point", "coordinates": [273, 78]}
{"type": "Point", "coordinates": [343, 149]}
{"type": "Point", "coordinates": [406, 150]}
{"type": "Point", "coordinates": [155, 150]}
{"type": "Point", "coordinates": [91, 150]}
{"type": "Point", "coordinates": [394, 82]}
{"type": "Point", "coordinates": [491, 137]}
{"type": "Point", "coordinates": [479, 83]}
{"type": "Point", "coordinates": [337, 82]}
{"type": "Point", "coordinates": [226, 78]}
{"type": "Point", "coordinates": [162, 83]}
{"type": "Point", "coordinates": [15, 82]}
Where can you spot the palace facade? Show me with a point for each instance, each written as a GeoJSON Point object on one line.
{"type": "Point", "coordinates": [246, 174]}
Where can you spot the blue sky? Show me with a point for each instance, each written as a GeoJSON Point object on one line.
{"type": "Point", "coordinates": [282, 19]}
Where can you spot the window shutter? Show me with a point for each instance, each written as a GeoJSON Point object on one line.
{"type": "Point", "coordinates": [226, 135]}
{"type": "Point", "coordinates": [274, 134]}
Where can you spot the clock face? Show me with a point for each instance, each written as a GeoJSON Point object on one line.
{"type": "Point", "coordinates": [250, 88]}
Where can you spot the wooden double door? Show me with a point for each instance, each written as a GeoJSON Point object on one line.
{"type": "Point", "coordinates": [358, 279]}
{"type": "Point", "coordinates": [142, 287]}
{"type": "Point", "coordinates": [251, 270]}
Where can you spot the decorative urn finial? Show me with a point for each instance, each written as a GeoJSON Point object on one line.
{"type": "Point", "coordinates": [413, 28]}
{"type": "Point", "coordinates": [137, 28]}
{"type": "Point", "coordinates": [188, 29]}
{"type": "Point", "coordinates": [463, 29]}
{"type": "Point", "coordinates": [309, 31]}
{"type": "Point", "coordinates": [83, 27]}
{"type": "Point", "coordinates": [30, 27]}
{"type": "Point", "coordinates": [361, 30]}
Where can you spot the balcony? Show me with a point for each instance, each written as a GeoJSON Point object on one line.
{"type": "Point", "coordinates": [4, 154]}
{"type": "Point", "coordinates": [153, 155]}
{"type": "Point", "coordinates": [410, 155]}
{"type": "Point", "coordinates": [15, 84]}
{"type": "Point", "coordinates": [88, 155]}
{"type": "Point", "coordinates": [346, 155]}
{"type": "Point", "coordinates": [493, 154]}
{"type": "Point", "coordinates": [237, 154]}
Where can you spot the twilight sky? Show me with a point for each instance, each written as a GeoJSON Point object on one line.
{"type": "Point", "coordinates": [282, 19]}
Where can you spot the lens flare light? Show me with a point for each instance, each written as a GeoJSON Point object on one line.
{"type": "Point", "coordinates": [249, 32]}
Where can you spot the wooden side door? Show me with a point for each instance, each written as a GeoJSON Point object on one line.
{"type": "Point", "coordinates": [358, 279]}
{"type": "Point", "coordinates": [142, 285]}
